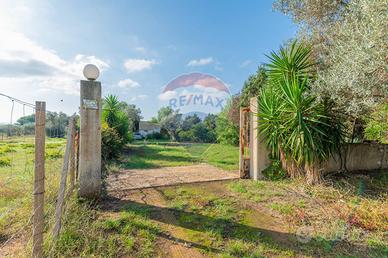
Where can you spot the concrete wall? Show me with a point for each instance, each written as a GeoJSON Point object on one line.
{"type": "Point", "coordinates": [360, 156]}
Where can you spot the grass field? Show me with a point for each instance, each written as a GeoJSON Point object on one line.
{"type": "Point", "coordinates": [16, 183]}
{"type": "Point", "coordinates": [164, 154]}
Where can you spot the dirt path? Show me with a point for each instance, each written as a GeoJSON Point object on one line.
{"type": "Point", "coordinates": [145, 178]}
{"type": "Point", "coordinates": [175, 242]}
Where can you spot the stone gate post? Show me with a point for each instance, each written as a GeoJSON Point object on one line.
{"type": "Point", "coordinates": [258, 151]}
{"type": "Point", "coordinates": [90, 140]}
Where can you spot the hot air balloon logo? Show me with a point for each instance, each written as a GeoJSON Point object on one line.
{"type": "Point", "coordinates": [195, 93]}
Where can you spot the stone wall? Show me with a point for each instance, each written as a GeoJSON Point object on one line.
{"type": "Point", "coordinates": [360, 156]}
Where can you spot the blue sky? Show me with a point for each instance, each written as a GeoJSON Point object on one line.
{"type": "Point", "coordinates": [139, 46]}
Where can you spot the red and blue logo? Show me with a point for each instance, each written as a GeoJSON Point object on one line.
{"type": "Point", "coordinates": [195, 93]}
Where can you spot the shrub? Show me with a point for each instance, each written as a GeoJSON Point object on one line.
{"type": "Point", "coordinates": [111, 143]}
{"type": "Point", "coordinates": [6, 149]}
{"type": "Point", "coordinates": [116, 118]}
{"type": "Point", "coordinates": [227, 123]}
{"type": "Point", "coordinates": [227, 132]}
{"type": "Point", "coordinates": [53, 153]}
{"type": "Point", "coordinates": [275, 171]}
{"type": "Point", "coordinates": [5, 162]}
{"type": "Point", "coordinates": [198, 133]}
{"type": "Point", "coordinates": [156, 136]}
{"type": "Point", "coordinates": [185, 136]}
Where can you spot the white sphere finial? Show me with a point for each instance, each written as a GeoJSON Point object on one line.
{"type": "Point", "coordinates": [91, 72]}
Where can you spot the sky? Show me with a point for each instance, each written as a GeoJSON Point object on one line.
{"type": "Point", "coordinates": [139, 46]}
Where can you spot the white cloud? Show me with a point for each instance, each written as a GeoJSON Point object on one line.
{"type": "Point", "coordinates": [128, 83]}
{"type": "Point", "coordinates": [201, 62]}
{"type": "Point", "coordinates": [139, 97]}
{"type": "Point", "coordinates": [26, 62]}
{"type": "Point", "coordinates": [137, 65]}
{"type": "Point", "coordinates": [245, 63]}
{"type": "Point", "coordinates": [167, 95]}
{"type": "Point", "coordinates": [142, 50]}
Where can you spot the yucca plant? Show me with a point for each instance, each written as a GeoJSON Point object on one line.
{"type": "Point", "coordinates": [298, 129]}
{"type": "Point", "coordinates": [270, 120]}
{"type": "Point", "coordinates": [289, 62]}
{"type": "Point", "coordinates": [114, 116]}
{"type": "Point", "coordinates": [111, 110]}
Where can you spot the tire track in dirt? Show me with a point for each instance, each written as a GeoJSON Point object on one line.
{"type": "Point", "coordinates": [174, 242]}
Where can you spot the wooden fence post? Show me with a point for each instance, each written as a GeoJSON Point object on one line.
{"type": "Point", "coordinates": [62, 187]}
{"type": "Point", "coordinates": [39, 176]}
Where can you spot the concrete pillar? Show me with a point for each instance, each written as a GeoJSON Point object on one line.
{"type": "Point", "coordinates": [259, 159]}
{"type": "Point", "coordinates": [90, 140]}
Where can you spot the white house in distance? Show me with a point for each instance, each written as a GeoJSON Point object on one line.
{"type": "Point", "coordinates": [146, 128]}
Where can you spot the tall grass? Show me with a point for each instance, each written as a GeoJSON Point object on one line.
{"type": "Point", "coordinates": [16, 186]}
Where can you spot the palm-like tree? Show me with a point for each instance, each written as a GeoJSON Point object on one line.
{"type": "Point", "coordinates": [115, 117]}
{"type": "Point", "coordinates": [111, 110]}
{"type": "Point", "coordinates": [297, 128]}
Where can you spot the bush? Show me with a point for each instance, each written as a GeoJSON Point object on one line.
{"type": "Point", "coordinates": [275, 171]}
{"type": "Point", "coordinates": [227, 132]}
{"type": "Point", "coordinates": [227, 123]}
{"type": "Point", "coordinates": [185, 136]}
{"type": "Point", "coordinates": [53, 154]}
{"type": "Point", "coordinates": [5, 162]}
{"type": "Point", "coordinates": [198, 133]}
{"type": "Point", "coordinates": [156, 136]}
{"type": "Point", "coordinates": [111, 143]}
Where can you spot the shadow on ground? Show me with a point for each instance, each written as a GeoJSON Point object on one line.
{"type": "Point", "coordinates": [155, 156]}
{"type": "Point", "coordinates": [231, 230]}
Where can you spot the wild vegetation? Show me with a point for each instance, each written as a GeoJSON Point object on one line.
{"type": "Point", "coordinates": [324, 88]}
{"type": "Point", "coordinates": [119, 121]}
{"type": "Point", "coordinates": [17, 180]}
{"type": "Point", "coordinates": [344, 216]}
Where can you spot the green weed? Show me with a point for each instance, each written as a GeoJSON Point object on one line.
{"type": "Point", "coordinates": [5, 162]}
{"type": "Point", "coordinates": [282, 208]}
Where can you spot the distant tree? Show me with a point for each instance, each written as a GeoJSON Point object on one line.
{"type": "Point", "coordinates": [252, 86]}
{"type": "Point", "coordinates": [210, 121]}
{"type": "Point", "coordinates": [170, 121]}
{"type": "Point", "coordinates": [26, 119]}
{"type": "Point", "coordinates": [133, 115]}
{"type": "Point", "coordinates": [154, 120]}
{"type": "Point", "coordinates": [201, 133]}
{"type": "Point", "coordinates": [56, 124]}
{"type": "Point", "coordinates": [227, 123]}
{"type": "Point", "coordinates": [163, 113]}
{"type": "Point", "coordinates": [189, 122]}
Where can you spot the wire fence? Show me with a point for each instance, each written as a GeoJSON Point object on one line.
{"type": "Point", "coordinates": [38, 156]}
